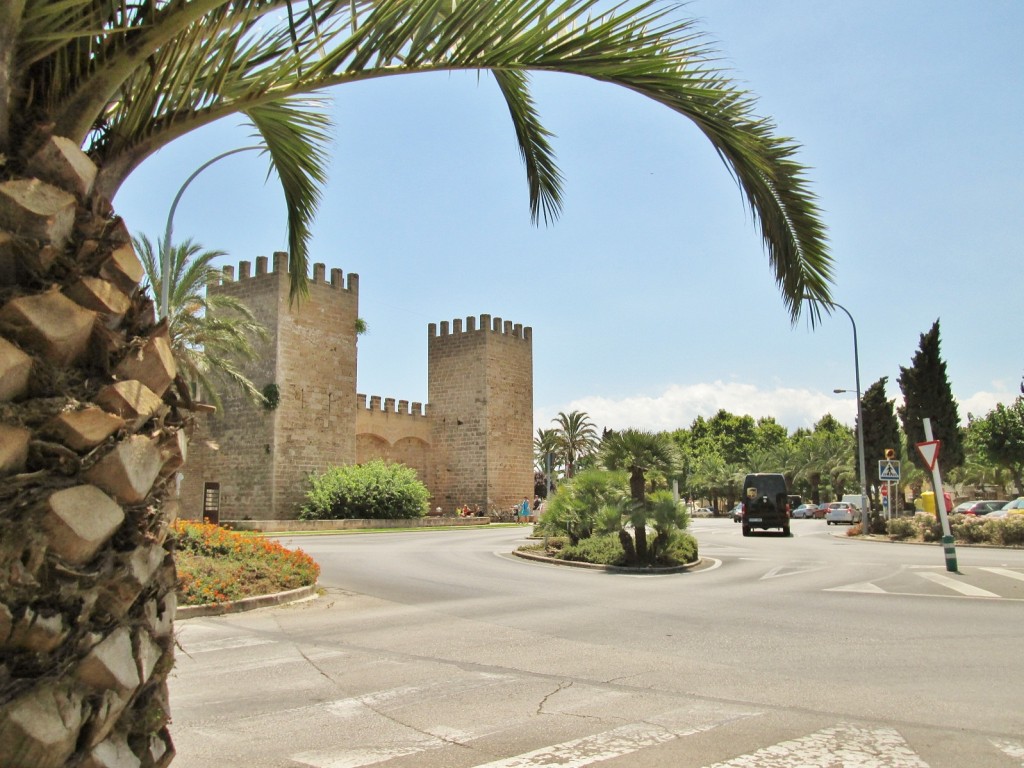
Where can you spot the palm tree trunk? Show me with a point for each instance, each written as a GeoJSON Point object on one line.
{"type": "Point", "coordinates": [91, 434]}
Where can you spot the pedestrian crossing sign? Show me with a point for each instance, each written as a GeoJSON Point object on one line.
{"type": "Point", "coordinates": [889, 470]}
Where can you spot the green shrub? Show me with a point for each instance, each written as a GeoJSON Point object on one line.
{"type": "Point", "coordinates": [584, 505]}
{"type": "Point", "coordinates": [604, 550]}
{"type": "Point", "coordinates": [681, 549]}
{"type": "Point", "coordinates": [970, 529]}
{"type": "Point", "coordinates": [1008, 531]}
{"type": "Point", "coordinates": [900, 528]}
{"type": "Point", "coordinates": [375, 490]}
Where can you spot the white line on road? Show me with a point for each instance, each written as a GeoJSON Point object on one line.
{"type": "Point", "coordinates": [844, 745]}
{"type": "Point", "coordinates": [1012, 748]}
{"type": "Point", "coordinates": [614, 743]}
{"type": "Point", "coordinates": [864, 586]}
{"type": "Point", "coordinates": [957, 586]}
{"type": "Point", "coordinates": [1005, 572]}
{"type": "Point", "coordinates": [226, 644]}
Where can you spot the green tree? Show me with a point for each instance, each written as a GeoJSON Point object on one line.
{"type": "Point", "coordinates": [211, 333]}
{"type": "Point", "coordinates": [881, 430]}
{"type": "Point", "coordinates": [927, 394]}
{"type": "Point", "coordinates": [1004, 439]}
{"type": "Point", "coordinates": [576, 438]}
{"type": "Point", "coordinates": [88, 90]}
{"type": "Point", "coordinates": [639, 453]}
{"type": "Point", "coordinates": [545, 454]}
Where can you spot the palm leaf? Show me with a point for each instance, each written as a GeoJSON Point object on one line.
{"type": "Point", "coordinates": [126, 79]}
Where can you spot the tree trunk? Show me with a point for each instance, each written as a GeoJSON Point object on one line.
{"type": "Point", "coordinates": [91, 435]}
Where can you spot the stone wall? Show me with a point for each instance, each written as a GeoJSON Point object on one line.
{"type": "Point", "coordinates": [474, 445]}
{"type": "Point", "coordinates": [480, 387]}
{"type": "Point", "coordinates": [261, 457]}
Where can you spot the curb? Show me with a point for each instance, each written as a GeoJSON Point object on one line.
{"type": "Point", "coordinates": [246, 603]}
{"type": "Point", "coordinates": [609, 568]}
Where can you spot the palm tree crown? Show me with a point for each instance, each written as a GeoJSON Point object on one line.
{"type": "Point", "coordinates": [211, 333]}
{"type": "Point", "coordinates": [125, 79]}
{"type": "Point", "coordinates": [575, 437]}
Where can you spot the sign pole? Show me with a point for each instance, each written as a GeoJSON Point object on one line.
{"type": "Point", "coordinates": [940, 497]}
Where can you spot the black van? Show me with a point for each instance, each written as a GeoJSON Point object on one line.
{"type": "Point", "coordinates": [765, 502]}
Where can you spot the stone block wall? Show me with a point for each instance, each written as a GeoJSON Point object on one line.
{"type": "Point", "coordinates": [480, 387]}
{"type": "Point", "coordinates": [394, 432]}
{"type": "Point", "coordinates": [261, 457]}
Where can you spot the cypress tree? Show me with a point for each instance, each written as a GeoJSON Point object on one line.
{"type": "Point", "coordinates": [881, 430]}
{"type": "Point", "coordinates": [927, 394]}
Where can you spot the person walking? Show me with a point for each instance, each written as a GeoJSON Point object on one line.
{"type": "Point", "coordinates": [524, 510]}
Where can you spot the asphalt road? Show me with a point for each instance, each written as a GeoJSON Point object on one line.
{"type": "Point", "coordinates": [437, 649]}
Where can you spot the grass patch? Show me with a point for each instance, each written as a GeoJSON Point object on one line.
{"type": "Point", "coordinates": [216, 565]}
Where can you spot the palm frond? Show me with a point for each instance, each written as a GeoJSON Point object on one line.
{"type": "Point", "coordinates": [211, 333]}
{"type": "Point", "coordinates": [295, 134]}
{"type": "Point", "coordinates": [131, 77]}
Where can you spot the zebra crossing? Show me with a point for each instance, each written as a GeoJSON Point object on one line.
{"type": "Point", "coordinates": [421, 724]}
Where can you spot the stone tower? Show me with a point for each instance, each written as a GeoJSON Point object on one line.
{"type": "Point", "coordinates": [480, 390]}
{"type": "Point", "coordinates": [260, 458]}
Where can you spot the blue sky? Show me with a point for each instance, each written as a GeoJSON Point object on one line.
{"type": "Point", "coordinates": [651, 299]}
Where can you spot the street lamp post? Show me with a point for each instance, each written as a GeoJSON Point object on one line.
{"type": "Point", "coordinates": [165, 255]}
{"type": "Point", "coordinates": [865, 527]}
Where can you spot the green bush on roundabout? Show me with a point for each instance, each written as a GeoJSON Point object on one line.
{"type": "Point", "coordinates": [593, 518]}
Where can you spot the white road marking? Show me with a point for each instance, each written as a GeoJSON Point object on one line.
{"type": "Point", "coordinates": [844, 745]}
{"type": "Point", "coordinates": [1013, 749]}
{"type": "Point", "coordinates": [226, 644]}
{"type": "Point", "coordinates": [864, 586]}
{"type": "Point", "coordinates": [790, 570]}
{"type": "Point", "coordinates": [957, 586]}
{"type": "Point", "coordinates": [614, 743]}
{"type": "Point", "coordinates": [1005, 572]}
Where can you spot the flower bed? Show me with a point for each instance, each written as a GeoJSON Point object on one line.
{"type": "Point", "coordinates": [216, 565]}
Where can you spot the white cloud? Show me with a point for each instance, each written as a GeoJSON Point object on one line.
{"type": "Point", "coordinates": [678, 406]}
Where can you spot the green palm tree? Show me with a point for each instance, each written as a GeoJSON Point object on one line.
{"type": "Point", "coordinates": [639, 453]}
{"type": "Point", "coordinates": [545, 453]}
{"type": "Point", "coordinates": [91, 88]}
{"type": "Point", "coordinates": [576, 438]}
{"type": "Point", "coordinates": [211, 333]}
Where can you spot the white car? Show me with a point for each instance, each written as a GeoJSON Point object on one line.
{"type": "Point", "coordinates": [841, 512]}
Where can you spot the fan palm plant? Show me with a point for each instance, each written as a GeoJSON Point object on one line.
{"type": "Point", "coordinates": [95, 414]}
{"type": "Point", "coordinates": [210, 333]}
{"type": "Point", "coordinates": [639, 452]}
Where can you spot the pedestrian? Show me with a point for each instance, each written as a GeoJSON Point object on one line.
{"type": "Point", "coordinates": [524, 510]}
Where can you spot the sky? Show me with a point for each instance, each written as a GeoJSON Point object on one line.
{"type": "Point", "coordinates": [651, 299]}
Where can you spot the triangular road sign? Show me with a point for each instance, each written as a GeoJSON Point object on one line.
{"type": "Point", "coordinates": [929, 452]}
{"type": "Point", "coordinates": [889, 470]}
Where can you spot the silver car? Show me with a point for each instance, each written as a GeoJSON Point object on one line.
{"type": "Point", "coordinates": [841, 512]}
{"type": "Point", "coordinates": [804, 511]}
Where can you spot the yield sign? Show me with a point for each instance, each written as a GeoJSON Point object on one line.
{"type": "Point", "coordinates": [929, 452]}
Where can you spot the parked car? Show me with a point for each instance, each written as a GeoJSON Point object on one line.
{"type": "Point", "coordinates": [737, 512]}
{"type": "Point", "coordinates": [841, 512]}
{"type": "Point", "coordinates": [703, 512]}
{"type": "Point", "coordinates": [821, 511]}
{"type": "Point", "coordinates": [806, 511]}
{"type": "Point", "coordinates": [977, 507]}
{"type": "Point", "coordinates": [1015, 507]}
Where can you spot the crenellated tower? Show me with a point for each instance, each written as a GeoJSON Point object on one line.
{"type": "Point", "coordinates": [261, 457]}
{"type": "Point", "coordinates": [480, 390]}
